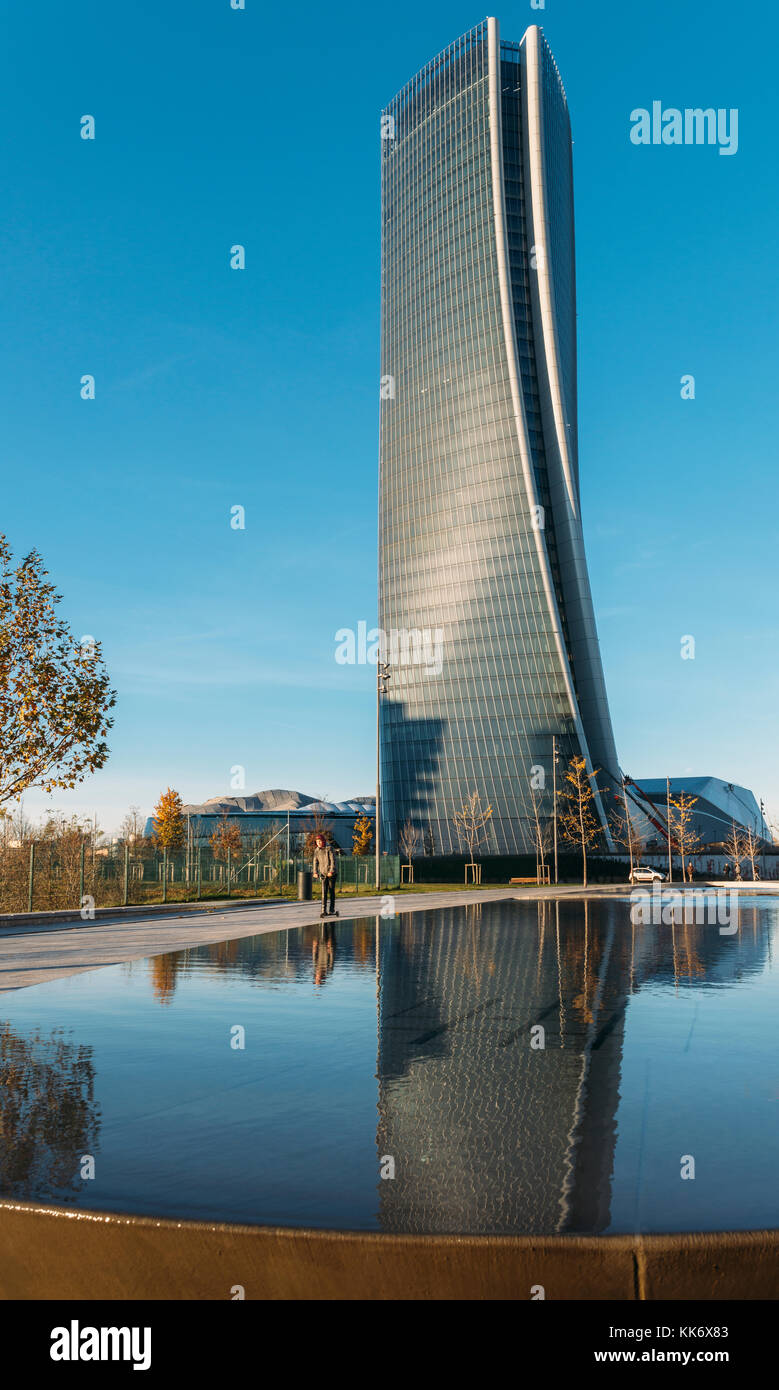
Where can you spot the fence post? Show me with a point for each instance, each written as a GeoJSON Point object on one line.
{"type": "Point", "coordinates": [165, 874]}
{"type": "Point", "coordinates": [81, 875]}
{"type": "Point", "coordinates": [126, 875]}
{"type": "Point", "coordinates": [31, 876]}
{"type": "Point", "coordinates": [199, 876]}
{"type": "Point", "coordinates": [229, 868]}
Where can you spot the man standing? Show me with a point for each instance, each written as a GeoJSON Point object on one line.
{"type": "Point", "coordinates": [325, 866]}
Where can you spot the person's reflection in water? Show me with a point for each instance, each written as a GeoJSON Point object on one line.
{"type": "Point", "coordinates": [323, 952]}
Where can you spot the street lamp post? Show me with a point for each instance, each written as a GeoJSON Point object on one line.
{"type": "Point", "coordinates": [628, 826]}
{"type": "Point", "coordinates": [382, 685]}
{"type": "Point", "coordinates": [668, 818]}
{"type": "Point", "coordinates": [554, 799]}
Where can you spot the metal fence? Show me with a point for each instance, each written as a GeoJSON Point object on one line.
{"type": "Point", "coordinates": [41, 876]}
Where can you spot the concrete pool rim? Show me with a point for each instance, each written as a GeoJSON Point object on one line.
{"type": "Point", "coordinates": [54, 1252]}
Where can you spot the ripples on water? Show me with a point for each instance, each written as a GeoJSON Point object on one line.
{"type": "Point", "coordinates": [416, 1041]}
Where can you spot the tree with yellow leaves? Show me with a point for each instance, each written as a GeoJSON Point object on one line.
{"type": "Point", "coordinates": [362, 836]}
{"type": "Point", "coordinates": [577, 818]}
{"type": "Point", "coordinates": [168, 829]}
{"type": "Point", "coordinates": [682, 827]}
{"type": "Point", "coordinates": [55, 695]}
{"type": "Point", "coordinates": [226, 839]}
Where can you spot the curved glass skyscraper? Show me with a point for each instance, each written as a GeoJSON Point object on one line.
{"type": "Point", "coordinates": [484, 598]}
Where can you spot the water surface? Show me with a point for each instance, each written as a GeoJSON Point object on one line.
{"type": "Point", "coordinates": [412, 1046]}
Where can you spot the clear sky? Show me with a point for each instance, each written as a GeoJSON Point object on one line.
{"type": "Point", "coordinates": [218, 387]}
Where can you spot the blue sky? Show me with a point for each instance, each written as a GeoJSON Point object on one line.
{"type": "Point", "coordinates": [259, 388]}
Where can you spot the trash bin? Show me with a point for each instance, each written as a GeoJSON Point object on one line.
{"type": "Point", "coordinates": [304, 885]}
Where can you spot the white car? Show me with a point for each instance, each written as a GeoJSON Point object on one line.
{"type": "Point", "coordinates": [643, 874]}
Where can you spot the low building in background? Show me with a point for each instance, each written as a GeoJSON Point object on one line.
{"type": "Point", "coordinates": [718, 806]}
{"type": "Point", "coordinates": [276, 810]}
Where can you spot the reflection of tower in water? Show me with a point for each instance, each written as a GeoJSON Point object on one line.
{"type": "Point", "coordinates": [489, 1133]}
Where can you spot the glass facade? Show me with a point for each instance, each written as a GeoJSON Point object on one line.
{"type": "Point", "coordinates": [483, 592]}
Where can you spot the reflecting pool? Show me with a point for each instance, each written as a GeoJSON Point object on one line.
{"type": "Point", "coordinates": [497, 1068]}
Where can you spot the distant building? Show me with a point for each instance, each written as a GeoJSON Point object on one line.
{"type": "Point", "coordinates": [718, 805]}
{"type": "Point", "coordinates": [261, 811]}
